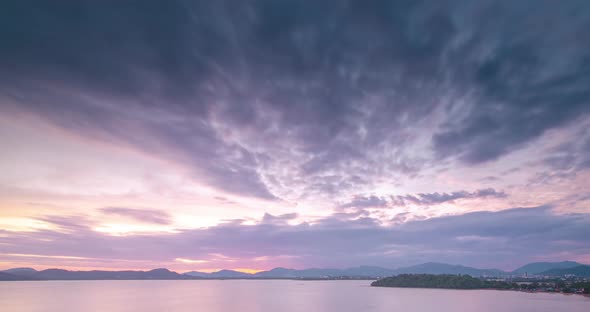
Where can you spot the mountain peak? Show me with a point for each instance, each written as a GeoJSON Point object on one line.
{"type": "Point", "coordinates": [21, 271]}
{"type": "Point", "coordinates": [539, 267]}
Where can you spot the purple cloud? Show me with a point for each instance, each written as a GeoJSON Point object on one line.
{"type": "Point", "coordinates": [366, 202]}
{"type": "Point", "coordinates": [281, 219]}
{"type": "Point", "coordinates": [268, 105]}
{"type": "Point", "coordinates": [439, 198]}
{"type": "Point", "coordinates": [142, 215]}
{"type": "Point", "coordinates": [478, 238]}
{"type": "Point", "coordinates": [231, 115]}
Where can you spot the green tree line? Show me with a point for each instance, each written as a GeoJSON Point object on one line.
{"type": "Point", "coordinates": [446, 281]}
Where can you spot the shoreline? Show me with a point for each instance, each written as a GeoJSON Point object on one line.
{"type": "Point", "coordinates": [299, 280]}
{"type": "Point", "coordinates": [493, 289]}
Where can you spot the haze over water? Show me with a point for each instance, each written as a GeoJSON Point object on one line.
{"type": "Point", "coordinates": [270, 295]}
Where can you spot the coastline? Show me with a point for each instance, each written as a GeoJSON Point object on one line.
{"type": "Point", "coordinates": [491, 289]}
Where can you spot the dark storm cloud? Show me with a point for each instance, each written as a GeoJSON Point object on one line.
{"type": "Point", "coordinates": [142, 215]}
{"type": "Point", "coordinates": [473, 238]}
{"type": "Point", "coordinates": [231, 89]}
{"type": "Point", "coordinates": [527, 78]}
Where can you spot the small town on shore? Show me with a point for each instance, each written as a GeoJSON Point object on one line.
{"type": "Point", "coordinates": [569, 284]}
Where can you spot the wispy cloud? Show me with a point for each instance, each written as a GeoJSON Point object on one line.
{"type": "Point", "coordinates": [142, 215]}
{"type": "Point", "coordinates": [439, 198]}
{"type": "Point", "coordinates": [366, 202]}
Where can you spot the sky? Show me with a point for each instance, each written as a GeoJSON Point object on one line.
{"type": "Point", "coordinates": [201, 135]}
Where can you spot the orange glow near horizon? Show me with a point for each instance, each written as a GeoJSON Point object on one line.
{"type": "Point", "coordinates": [5, 265]}
{"type": "Point", "coordinates": [78, 264]}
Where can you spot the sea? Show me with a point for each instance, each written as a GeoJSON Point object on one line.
{"type": "Point", "coordinates": [267, 295]}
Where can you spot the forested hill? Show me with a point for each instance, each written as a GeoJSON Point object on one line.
{"type": "Point", "coordinates": [446, 281]}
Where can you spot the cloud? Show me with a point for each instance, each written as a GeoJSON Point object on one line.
{"type": "Point", "coordinates": [505, 238]}
{"type": "Point", "coordinates": [281, 219]}
{"type": "Point", "coordinates": [307, 103]}
{"type": "Point", "coordinates": [490, 179]}
{"type": "Point", "coordinates": [423, 199]}
{"type": "Point", "coordinates": [361, 202]}
{"type": "Point", "coordinates": [439, 198]}
{"type": "Point", "coordinates": [141, 215]}
{"type": "Point", "coordinates": [517, 97]}
{"type": "Point", "coordinates": [366, 202]}
{"type": "Point", "coordinates": [571, 156]}
{"type": "Point", "coordinates": [564, 161]}
{"type": "Point", "coordinates": [68, 223]}
{"type": "Point", "coordinates": [273, 98]}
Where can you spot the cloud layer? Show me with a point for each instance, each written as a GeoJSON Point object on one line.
{"type": "Point", "coordinates": [439, 198]}
{"type": "Point", "coordinates": [506, 238]}
{"type": "Point", "coordinates": [367, 116]}
{"type": "Point", "coordinates": [330, 92]}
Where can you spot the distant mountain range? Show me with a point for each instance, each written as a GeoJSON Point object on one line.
{"type": "Point", "coordinates": [219, 274]}
{"type": "Point", "coordinates": [11, 277]}
{"type": "Point", "coordinates": [58, 274]}
{"type": "Point", "coordinates": [579, 271]}
{"type": "Point", "coordinates": [361, 272]}
{"type": "Point", "coordinates": [540, 267]}
{"type": "Point", "coordinates": [443, 268]}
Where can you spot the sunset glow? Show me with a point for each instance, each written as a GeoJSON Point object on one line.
{"type": "Point", "coordinates": [165, 138]}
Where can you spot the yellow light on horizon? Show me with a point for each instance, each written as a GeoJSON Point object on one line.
{"type": "Point", "coordinates": [119, 229]}
{"type": "Point", "coordinates": [21, 224]}
{"type": "Point", "coordinates": [184, 260]}
{"type": "Point", "coordinates": [249, 271]}
{"type": "Point", "coordinates": [44, 256]}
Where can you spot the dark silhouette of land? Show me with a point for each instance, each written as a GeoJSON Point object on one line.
{"type": "Point", "coordinates": [445, 281]}
{"type": "Point", "coordinates": [544, 269]}
{"type": "Point", "coordinates": [449, 281]}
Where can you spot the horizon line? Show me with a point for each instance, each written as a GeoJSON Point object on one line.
{"type": "Point", "coordinates": [255, 271]}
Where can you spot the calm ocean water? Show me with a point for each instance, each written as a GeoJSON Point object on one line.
{"type": "Point", "coordinates": [272, 295]}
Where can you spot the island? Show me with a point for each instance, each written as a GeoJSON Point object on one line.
{"type": "Point", "coordinates": [444, 281]}
{"type": "Point", "coordinates": [458, 281]}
